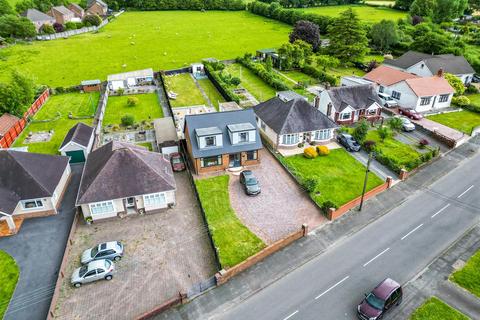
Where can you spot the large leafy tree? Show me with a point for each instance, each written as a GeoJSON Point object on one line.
{"type": "Point", "coordinates": [16, 96]}
{"type": "Point", "coordinates": [474, 4]}
{"type": "Point", "coordinates": [423, 8]}
{"type": "Point", "coordinates": [5, 8]}
{"type": "Point", "coordinates": [446, 10]}
{"type": "Point", "coordinates": [306, 31]}
{"type": "Point", "coordinates": [456, 83]}
{"type": "Point", "coordinates": [348, 37]}
{"type": "Point", "coordinates": [432, 42]}
{"type": "Point", "coordinates": [16, 27]}
{"type": "Point", "coordinates": [384, 35]}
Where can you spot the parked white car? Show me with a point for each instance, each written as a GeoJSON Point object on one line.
{"type": "Point", "coordinates": [93, 271]}
{"type": "Point", "coordinates": [407, 125]}
{"type": "Point", "coordinates": [387, 101]}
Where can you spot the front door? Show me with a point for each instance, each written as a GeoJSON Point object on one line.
{"type": "Point", "coordinates": [234, 160]}
{"type": "Point", "coordinates": [130, 204]}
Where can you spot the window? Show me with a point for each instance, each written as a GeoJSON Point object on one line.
{"type": "Point", "coordinates": [100, 271]}
{"type": "Point", "coordinates": [396, 95]}
{"type": "Point", "coordinates": [243, 137]}
{"type": "Point", "coordinates": [252, 155]}
{"type": "Point", "coordinates": [381, 89]}
{"type": "Point", "coordinates": [90, 273]}
{"type": "Point", "coordinates": [425, 101]}
{"type": "Point", "coordinates": [154, 199]}
{"type": "Point", "coordinates": [290, 139]}
{"type": "Point", "coordinates": [345, 116]}
{"type": "Point", "coordinates": [210, 141]}
{"type": "Point", "coordinates": [323, 134]}
{"type": "Point", "coordinates": [444, 98]}
{"type": "Point", "coordinates": [210, 161]}
{"type": "Point", "coordinates": [263, 125]}
{"type": "Point", "coordinates": [372, 112]}
{"type": "Point", "coordinates": [100, 208]}
{"type": "Point", "coordinates": [32, 204]}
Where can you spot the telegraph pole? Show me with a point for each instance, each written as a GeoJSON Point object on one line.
{"type": "Point", "coordinates": [370, 156]}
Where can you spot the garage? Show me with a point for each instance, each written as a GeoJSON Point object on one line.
{"type": "Point", "coordinates": [76, 156]}
{"type": "Point", "coordinates": [78, 143]}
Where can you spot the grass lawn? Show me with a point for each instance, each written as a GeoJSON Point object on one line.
{"type": "Point", "coordinates": [436, 309]}
{"type": "Point", "coordinates": [233, 240]}
{"type": "Point", "coordinates": [463, 121]}
{"type": "Point", "coordinates": [146, 109]}
{"type": "Point", "coordinates": [365, 13]}
{"type": "Point", "coordinates": [9, 272]}
{"type": "Point", "coordinates": [475, 99]}
{"type": "Point", "coordinates": [250, 81]}
{"type": "Point", "coordinates": [212, 92]}
{"type": "Point", "coordinates": [160, 40]}
{"type": "Point", "coordinates": [469, 276]}
{"type": "Point", "coordinates": [147, 145]}
{"type": "Point", "coordinates": [184, 86]}
{"type": "Point", "coordinates": [79, 104]}
{"type": "Point", "coordinates": [339, 176]}
{"type": "Point", "coordinates": [299, 77]}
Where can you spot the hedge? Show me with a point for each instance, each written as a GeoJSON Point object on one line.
{"type": "Point", "coordinates": [322, 76]}
{"type": "Point", "coordinates": [263, 73]}
{"type": "Point", "coordinates": [219, 81]}
{"type": "Point", "coordinates": [150, 5]}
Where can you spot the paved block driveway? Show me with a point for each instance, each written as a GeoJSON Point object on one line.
{"type": "Point", "coordinates": [280, 209]}
{"type": "Point", "coordinates": [164, 253]}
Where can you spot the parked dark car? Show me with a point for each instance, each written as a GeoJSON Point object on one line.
{"type": "Point", "coordinates": [409, 112]}
{"type": "Point", "coordinates": [250, 183]}
{"type": "Point", "coordinates": [177, 162]}
{"type": "Point", "coordinates": [382, 299]}
{"type": "Point", "coordinates": [348, 142]}
{"type": "Point", "coordinates": [476, 78]}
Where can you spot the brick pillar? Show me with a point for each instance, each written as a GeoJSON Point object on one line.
{"type": "Point", "coordinates": [305, 229]}
{"type": "Point", "coordinates": [330, 213]}
{"type": "Point", "coordinates": [389, 182]}
{"type": "Point", "coordinates": [403, 175]}
{"type": "Point", "coordinates": [183, 297]}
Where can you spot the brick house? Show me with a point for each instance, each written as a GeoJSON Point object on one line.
{"type": "Point", "coordinates": [38, 18]}
{"type": "Point", "coordinates": [77, 10]}
{"type": "Point", "coordinates": [97, 7]}
{"type": "Point", "coordinates": [221, 140]}
{"type": "Point", "coordinates": [61, 14]}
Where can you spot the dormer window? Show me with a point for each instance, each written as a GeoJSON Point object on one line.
{"type": "Point", "coordinates": [241, 133]}
{"type": "Point", "coordinates": [243, 137]}
{"type": "Point", "coordinates": [210, 137]}
{"type": "Point", "coordinates": [210, 141]}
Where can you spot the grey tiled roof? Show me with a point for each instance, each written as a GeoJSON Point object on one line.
{"type": "Point", "coordinates": [80, 134]}
{"type": "Point", "coordinates": [37, 16]}
{"type": "Point", "coordinates": [358, 97]}
{"type": "Point", "coordinates": [63, 10]}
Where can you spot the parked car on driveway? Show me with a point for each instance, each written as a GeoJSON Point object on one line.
{"type": "Point", "coordinates": [381, 300]}
{"type": "Point", "coordinates": [407, 125]}
{"type": "Point", "coordinates": [476, 78]}
{"type": "Point", "coordinates": [93, 271]}
{"type": "Point", "coordinates": [112, 250]}
{"type": "Point", "coordinates": [250, 183]}
{"type": "Point", "coordinates": [348, 142]}
{"type": "Point", "coordinates": [177, 162]}
{"type": "Point", "coordinates": [409, 112]}
{"type": "Point", "coordinates": [387, 101]}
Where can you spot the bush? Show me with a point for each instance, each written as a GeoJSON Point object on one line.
{"type": "Point", "coordinates": [471, 89]}
{"type": "Point", "coordinates": [128, 120]}
{"type": "Point", "coordinates": [321, 76]}
{"type": "Point", "coordinates": [259, 69]}
{"type": "Point", "coordinates": [92, 20]}
{"type": "Point", "coordinates": [58, 27]}
{"type": "Point", "coordinates": [120, 91]}
{"type": "Point", "coordinates": [132, 101]}
{"type": "Point", "coordinates": [395, 123]}
{"type": "Point", "coordinates": [461, 101]}
{"type": "Point", "coordinates": [384, 133]}
{"type": "Point", "coordinates": [323, 150]}
{"type": "Point", "coordinates": [361, 130]}
{"type": "Point", "coordinates": [327, 205]}
{"type": "Point", "coordinates": [79, 25]}
{"type": "Point", "coordinates": [310, 153]}
{"type": "Point", "coordinates": [47, 29]}
{"type": "Point", "coordinates": [369, 145]}
{"type": "Point", "coordinates": [422, 143]}
{"type": "Point", "coordinates": [301, 145]}
{"type": "Point", "coordinates": [310, 184]}
{"type": "Point", "coordinates": [70, 25]}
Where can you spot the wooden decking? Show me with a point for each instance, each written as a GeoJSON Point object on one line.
{"type": "Point", "coordinates": [5, 231]}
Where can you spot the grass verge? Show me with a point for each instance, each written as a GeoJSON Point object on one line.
{"type": "Point", "coordinates": [436, 309]}
{"type": "Point", "coordinates": [469, 276]}
{"type": "Point", "coordinates": [9, 273]}
{"type": "Point", "coordinates": [463, 121]}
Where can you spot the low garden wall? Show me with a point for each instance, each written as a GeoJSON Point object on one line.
{"type": "Point", "coordinates": [98, 120]}
{"type": "Point", "coordinates": [69, 33]}
{"type": "Point", "coordinates": [165, 306]}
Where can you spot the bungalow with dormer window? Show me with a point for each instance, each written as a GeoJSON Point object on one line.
{"type": "Point", "coordinates": [221, 140]}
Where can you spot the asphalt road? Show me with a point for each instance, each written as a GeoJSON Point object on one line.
{"type": "Point", "coordinates": [398, 245]}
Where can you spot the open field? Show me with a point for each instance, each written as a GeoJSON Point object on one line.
{"type": "Point", "coordinates": [250, 81]}
{"type": "Point", "coordinates": [212, 92]}
{"type": "Point", "coordinates": [8, 279]}
{"type": "Point", "coordinates": [187, 92]}
{"type": "Point", "coordinates": [57, 108]}
{"type": "Point", "coordinates": [136, 40]}
{"type": "Point", "coordinates": [235, 242]}
{"type": "Point", "coordinates": [463, 121]}
{"type": "Point", "coordinates": [365, 13]}
{"type": "Point", "coordinates": [146, 109]}
{"type": "Point", "coordinates": [469, 276]}
{"type": "Point", "coordinates": [436, 309]}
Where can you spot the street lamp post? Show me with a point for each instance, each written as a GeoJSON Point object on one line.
{"type": "Point", "coordinates": [370, 156]}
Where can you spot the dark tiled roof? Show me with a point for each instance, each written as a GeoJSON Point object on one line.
{"type": "Point", "coordinates": [407, 59]}
{"type": "Point", "coordinates": [294, 116]}
{"type": "Point", "coordinates": [35, 15]}
{"type": "Point", "coordinates": [80, 134]}
{"type": "Point", "coordinates": [221, 120]}
{"type": "Point", "coordinates": [25, 175]}
{"type": "Point", "coordinates": [358, 97]}
{"type": "Point", "coordinates": [119, 170]}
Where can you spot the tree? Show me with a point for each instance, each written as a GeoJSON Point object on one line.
{"type": "Point", "coordinates": [403, 4]}
{"type": "Point", "coordinates": [16, 27]}
{"type": "Point", "coordinates": [269, 63]}
{"type": "Point", "coordinates": [384, 35]}
{"type": "Point", "coordinates": [361, 130]}
{"type": "Point", "coordinates": [128, 120]}
{"type": "Point", "coordinates": [432, 42]}
{"type": "Point", "coordinates": [395, 124]}
{"type": "Point", "coordinates": [446, 10]}
{"type": "Point", "coordinates": [474, 4]}
{"type": "Point", "coordinates": [92, 20]}
{"type": "Point", "coordinates": [423, 8]}
{"type": "Point", "coordinates": [383, 133]}
{"type": "Point", "coordinates": [456, 84]}
{"type": "Point", "coordinates": [327, 61]}
{"type": "Point", "coordinates": [5, 8]}
{"type": "Point", "coordinates": [306, 31]}
{"type": "Point", "coordinates": [295, 54]}
{"type": "Point", "coordinates": [348, 37]}
{"type": "Point", "coordinates": [16, 96]}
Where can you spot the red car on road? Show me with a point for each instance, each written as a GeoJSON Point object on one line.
{"type": "Point", "coordinates": [381, 300]}
{"type": "Point", "coordinates": [409, 112]}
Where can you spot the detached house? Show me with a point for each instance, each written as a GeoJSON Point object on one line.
{"type": "Point", "coordinates": [38, 18]}
{"type": "Point", "coordinates": [427, 65]}
{"type": "Point", "coordinates": [347, 105]}
{"type": "Point", "coordinates": [221, 140]}
{"type": "Point", "coordinates": [121, 179]}
{"type": "Point", "coordinates": [77, 10]}
{"type": "Point", "coordinates": [62, 15]}
{"type": "Point", "coordinates": [31, 184]}
{"type": "Point", "coordinates": [97, 7]}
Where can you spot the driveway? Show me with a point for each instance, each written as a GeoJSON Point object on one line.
{"type": "Point", "coordinates": [38, 249]}
{"type": "Point", "coordinates": [376, 167]}
{"type": "Point", "coordinates": [165, 253]}
{"type": "Point", "coordinates": [280, 209]}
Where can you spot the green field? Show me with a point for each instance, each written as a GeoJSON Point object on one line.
{"type": "Point", "coordinates": [463, 121]}
{"type": "Point", "coordinates": [161, 40]}
{"type": "Point", "coordinates": [187, 92]}
{"type": "Point", "coordinates": [233, 240]}
{"type": "Point", "coordinates": [9, 272]}
{"type": "Point", "coordinates": [57, 108]}
{"type": "Point", "coordinates": [365, 13]}
{"type": "Point", "coordinates": [469, 276]}
{"type": "Point", "coordinates": [250, 81]}
{"type": "Point", "coordinates": [436, 309]}
{"type": "Point", "coordinates": [146, 109]}
{"type": "Point", "coordinates": [212, 92]}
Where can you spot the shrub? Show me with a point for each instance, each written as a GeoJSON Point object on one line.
{"type": "Point", "coordinates": [383, 133]}
{"type": "Point", "coordinates": [471, 89]}
{"type": "Point", "coordinates": [395, 124]}
{"type": "Point", "coordinates": [58, 27]}
{"type": "Point", "coordinates": [301, 145]}
{"type": "Point", "coordinates": [361, 130]}
{"type": "Point", "coordinates": [235, 81]}
{"type": "Point", "coordinates": [310, 184]}
{"type": "Point", "coordinates": [259, 69]}
{"type": "Point", "coordinates": [128, 120]}
{"type": "Point", "coordinates": [132, 101]}
{"type": "Point", "coordinates": [323, 150]}
{"type": "Point", "coordinates": [422, 143]}
{"type": "Point", "coordinates": [310, 153]}
{"type": "Point", "coordinates": [47, 29]}
{"type": "Point", "coordinates": [92, 20]}
{"type": "Point", "coordinates": [120, 91]}
{"type": "Point", "coordinates": [461, 101]}
{"type": "Point", "coordinates": [343, 129]}
{"type": "Point", "coordinates": [79, 25]}
{"type": "Point", "coordinates": [321, 76]}
{"type": "Point", "coordinates": [115, 127]}
{"type": "Point", "coordinates": [327, 205]}
{"type": "Point", "coordinates": [369, 145]}
{"type": "Point", "coordinates": [70, 25]}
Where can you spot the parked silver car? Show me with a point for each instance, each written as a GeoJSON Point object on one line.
{"type": "Point", "coordinates": [407, 125]}
{"type": "Point", "coordinates": [93, 271]}
{"type": "Point", "coordinates": [112, 250]}
{"type": "Point", "coordinates": [387, 101]}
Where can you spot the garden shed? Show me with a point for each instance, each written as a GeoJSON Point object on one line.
{"type": "Point", "coordinates": [166, 135]}
{"type": "Point", "coordinates": [198, 70]}
{"type": "Point", "coordinates": [91, 85]}
{"type": "Point", "coordinates": [78, 143]}
{"type": "Point", "coordinates": [130, 79]}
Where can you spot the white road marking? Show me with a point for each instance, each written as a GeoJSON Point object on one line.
{"type": "Point", "coordinates": [291, 315]}
{"type": "Point", "coordinates": [378, 255]}
{"type": "Point", "coordinates": [336, 284]}
{"type": "Point", "coordinates": [463, 193]}
{"type": "Point", "coordinates": [440, 211]}
{"type": "Point", "coordinates": [415, 229]}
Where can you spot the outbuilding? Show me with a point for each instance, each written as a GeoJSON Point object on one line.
{"type": "Point", "coordinates": [91, 85]}
{"type": "Point", "coordinates": [166, 135]}
{"type": "Point", "coordinates": [78, 143]}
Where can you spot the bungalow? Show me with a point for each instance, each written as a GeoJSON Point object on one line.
{"type": "Point", "coordinates": [77, 143]}
{"type": "Point", "coordinates": [121, 179]}
{"type": "Point", "coordinates": [286, 123]}
{"type": "Point", "coordinates": [62, 15]}
{"type": "Point", "coordinates": [77, 10]}
{"type": "Point", "coordinates": [130, 79]}
{"type": "Point", "coordinates": [31, 184]}
{"type": "Point", "coordinates": [7, 121]}
{"type": "Point", "coordinates": [427, 65]}
{"type": "Point", "coordinates": [347, 105]}
{"type": "Point", "coordinates": [221, 140]}
{"type": "Point", "coordinates": [38, 18]}
{"type": "Point", "coordinates": [97, 7]}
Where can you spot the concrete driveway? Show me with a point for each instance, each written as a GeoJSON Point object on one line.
{"type": "Point", "coordinates": [281, 208]}
{"type": "Point", "coordinates": [38, 250]}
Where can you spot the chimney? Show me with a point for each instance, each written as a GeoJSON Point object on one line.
{"type": "Point", "coordinates": [440, 73]}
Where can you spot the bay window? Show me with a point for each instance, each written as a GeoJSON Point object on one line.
{"type": "Point", "coordinates": [154, 199]}
{"type": "Point", "coordinates": [324, 134]}
{"type": "Point", "coordinates": [210, 161]}
{"type": "Point", "coordinates": [100, 208]}
{"type": "Point", "coordinates": [290, 139]}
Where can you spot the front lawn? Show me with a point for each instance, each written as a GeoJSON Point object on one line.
{"type": "Point", "coordinates": [299, 76]}
{"type": "Point", "coordinates": [147, 108]}
{"type": "Point", "coordinates": [474, 99]}
{"type": "Point", "coordinates": [211, 92]}
{"type": "Point", "coordinates": [436, 309]}
{"type": "Point", "coordinates": [339, 176]}
{"type": "Point", "coordinates": [365, 13]}
{"type": "Point", "coordinates": [250, 81]}
{"type": "Point", "coordinates": [469, 276]}
{"type": "Point", "coordinates": [9, 273]}
{"type": "Point", "coordinates": [234, 241]}
{"type": "Point", "coordinates": [463, 121]}
{"type": "Point", "coordinates": [57, 109]}
{"type": "Point", "coordinates": [184, 87]}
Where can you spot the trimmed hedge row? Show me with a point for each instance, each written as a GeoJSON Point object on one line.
{"type": "Point", "coordinates": [219, 81]}
{"type": "Point", "coordinates": [397, 167]}
{"type": "Point", "coordinates": [149, 5]}
{"type": "Point", "coordinates": [263, 73]}
{"type": "Point", "coordinates": [322, 76]}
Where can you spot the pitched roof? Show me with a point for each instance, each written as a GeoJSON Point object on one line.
{"type": "Point", "coordinates": [63, 10]}
{"type": "Point", "coordinates": [294, 116]}
{"type": "Point", "coordinates": [358, 97]}
{"type": "Point", "coordinates": [35, 15]}
{"type": "Point", "coordinates": [25, 175]}
{"type": "Point", "coordinates": [221, 120]}
{"type": "Point", "coordinates": [387, 76]}
{"type": "Point", "coordinates": [100, 2]}
{"type": "Point", "coordinates": [407, 59]}
{"type": "Point", "coordinates": [6, 122]}
{"type": "Point", "coordinates": [75, 6]}
{"type": "Point", "coordinates": [430, 86]}
{"type": "Point", "coordinates": [79, 133]}
{"type": "Point", "coordinates": [119, 170]}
